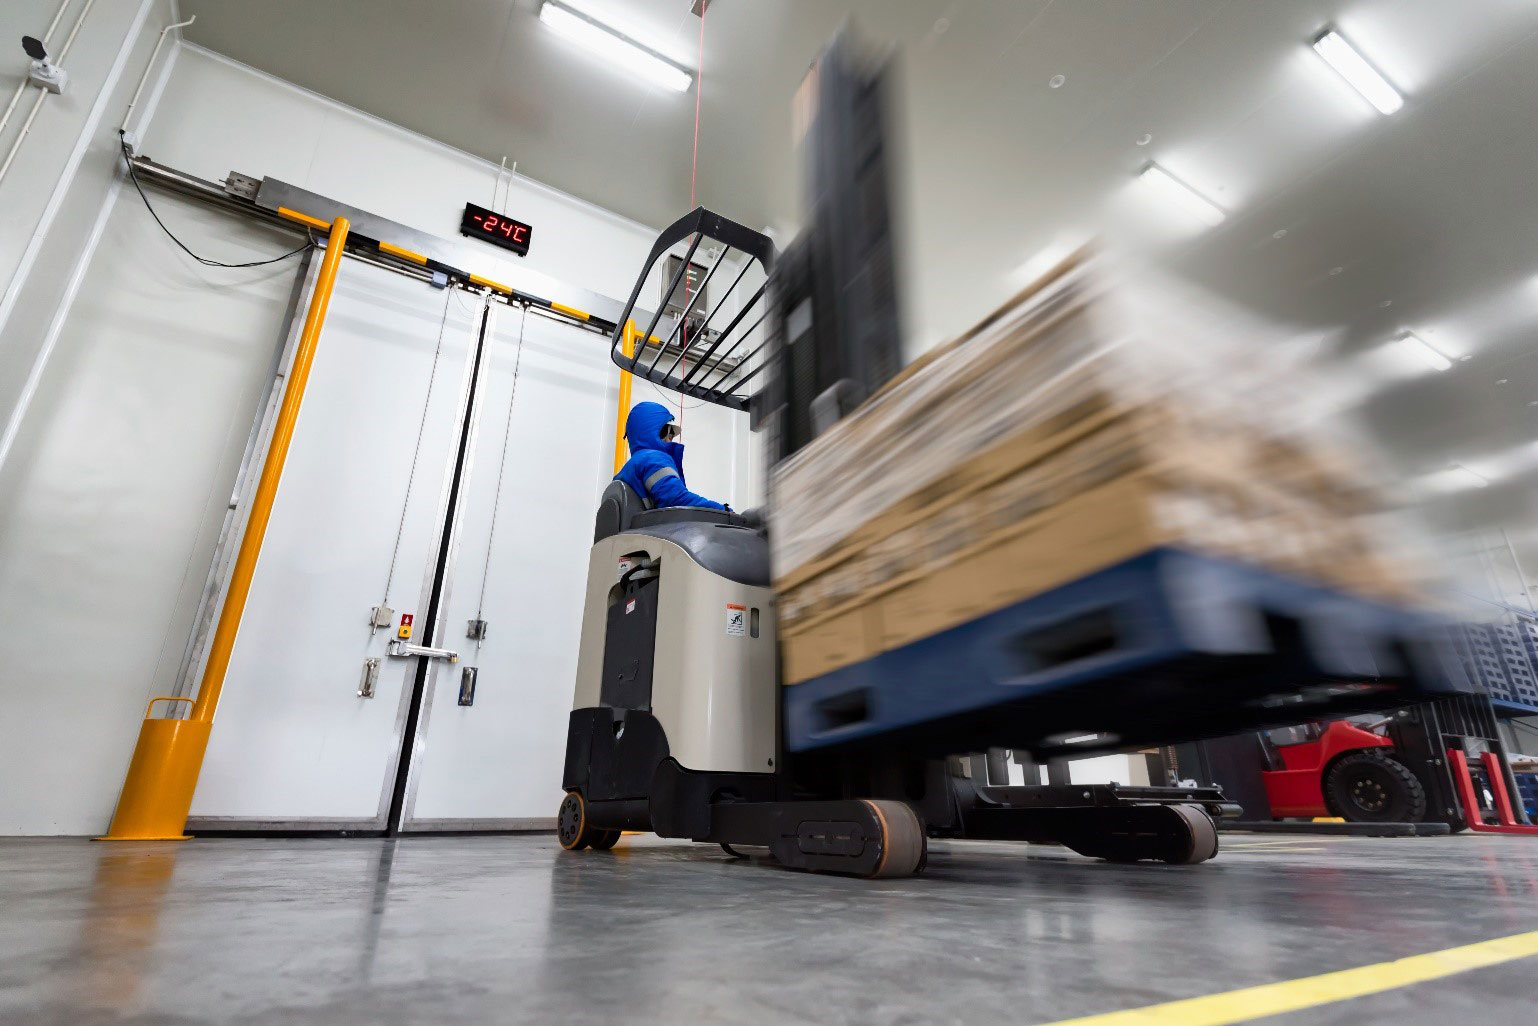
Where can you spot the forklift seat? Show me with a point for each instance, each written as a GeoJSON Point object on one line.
{"type": "Point", "coordinates": [620, 509]}
{"type": "Point", "coordinates": [617, 510]}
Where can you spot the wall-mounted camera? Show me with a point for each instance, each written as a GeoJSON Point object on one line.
{"type": "Point", "coordinates": [44, 73]}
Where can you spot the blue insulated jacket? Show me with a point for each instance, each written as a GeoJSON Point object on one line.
{"type": "Point", "coordinates": [655, 470]}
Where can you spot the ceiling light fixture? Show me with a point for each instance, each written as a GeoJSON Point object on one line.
{"type": "Point", "coordinates": [1178, 193]}
{"type": "Point", "coordinates": [1423, 351]}
{"type": "Point", "coordinates": [615, 47]}
{"type": "Point", "coordinates": [1469, 478]}
{"type": "Point", "coordinates": [1361, 76]}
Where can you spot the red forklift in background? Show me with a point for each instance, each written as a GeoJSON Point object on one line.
{"type": "Point", "coordinates": [1439, 762]}
{"type": "Point", "coordinates": [1340, 768]}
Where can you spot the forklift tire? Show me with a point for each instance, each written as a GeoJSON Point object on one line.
{"type": "Point", "coordinates": [603, 840]}
{"type": "Point", "coordinates": [1365, 787]}
{"type": "Point", "coordinates": [571, 827]}
{"type": "Point", "coordinates": [904, 845]}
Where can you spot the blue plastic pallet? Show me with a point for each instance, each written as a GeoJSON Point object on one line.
{"type": "Point", "coordinates": [1142, 650]}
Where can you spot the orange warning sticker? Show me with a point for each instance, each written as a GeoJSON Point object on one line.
{"type": "Point", "coordinates": [736, 620]}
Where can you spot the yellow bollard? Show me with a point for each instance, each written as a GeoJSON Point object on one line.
{"type": "Point", "coordinates": [163, 773]}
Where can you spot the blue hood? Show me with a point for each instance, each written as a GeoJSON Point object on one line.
{"type": "Point", "coordinates": [643, 430]}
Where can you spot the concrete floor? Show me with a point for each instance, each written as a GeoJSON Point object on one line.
{"type": "Point", "coordinates": [510, 929]}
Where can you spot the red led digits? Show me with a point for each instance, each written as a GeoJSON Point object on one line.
{"type": "Point", "coordinates": [498, 228]}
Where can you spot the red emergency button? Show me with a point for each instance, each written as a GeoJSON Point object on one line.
{"type": "Point", "coordinates": [405, 627]}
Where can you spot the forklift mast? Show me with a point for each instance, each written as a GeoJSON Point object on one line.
{"type": "Point", "coordinates": [821, 332]}
{"type": "Point", "coordinates": [834, 296]}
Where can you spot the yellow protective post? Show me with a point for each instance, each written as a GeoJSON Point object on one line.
{"type": "Point", "coordinates": [163, 772]}
{"type": "Point", "coordinates": [621, 450]}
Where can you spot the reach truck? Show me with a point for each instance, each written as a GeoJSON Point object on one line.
{"type": "Point", "coordinates": [680, 723]}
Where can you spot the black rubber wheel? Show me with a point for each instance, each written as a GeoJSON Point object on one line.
{"type": "Point", "coordinates": [571, 823]}
{"type": "Point", "coordinates": [1203, 835]}
{"type": "Point", "coordinates": [603, 840]}
{"type": "Point", "coordinates": [1365, 787]}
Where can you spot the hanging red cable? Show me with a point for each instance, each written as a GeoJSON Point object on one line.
{"type": "Point", "coordinates": [694, 170]}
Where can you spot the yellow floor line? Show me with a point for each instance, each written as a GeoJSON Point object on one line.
{"type": "Point", "coordinates": [1290, 995]}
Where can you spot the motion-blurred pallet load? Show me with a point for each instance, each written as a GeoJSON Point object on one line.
{"type": "Point", "coordinates": [1058, 440]}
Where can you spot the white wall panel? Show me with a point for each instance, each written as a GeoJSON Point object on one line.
{"type": "Point", "coordinates": [113, 493]}
{"type": "Point", "coordinates": [113, 497]}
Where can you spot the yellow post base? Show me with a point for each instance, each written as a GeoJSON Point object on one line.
{"type": "Point", "coordinates": [161, 778]}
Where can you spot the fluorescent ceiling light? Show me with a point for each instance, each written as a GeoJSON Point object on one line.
{"type": "Point", "coordinates": [1468, 478]}
{"type": "Point", "coordinates": [1177, 193]}
{"type": "Point", "coordinates": [1361, 76]}
{"type": "Point", "coordinates": [1423, 352]}
{"type": "Point", "coordinates": [1454, 478]}
{"type": "Point", "coordinates": [617, 49]}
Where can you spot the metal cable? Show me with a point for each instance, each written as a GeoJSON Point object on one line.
{"type": "Point", "coordinates": [496, 499]}
{"type": "Point", "coordinates": [416, 452]}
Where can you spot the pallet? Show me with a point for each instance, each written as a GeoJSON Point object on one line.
{"type": "Point", "coordinates": [1166, 645]}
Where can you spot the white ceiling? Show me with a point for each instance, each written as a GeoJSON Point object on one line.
{"type": "Point", "coordinates": [1427, 219]}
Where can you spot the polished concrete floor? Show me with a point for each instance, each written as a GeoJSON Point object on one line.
{"type": "Point", "coordinates": [510, 929]}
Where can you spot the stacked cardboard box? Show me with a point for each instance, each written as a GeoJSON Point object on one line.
{"type": "Point", "coordinates": [1047, 443]}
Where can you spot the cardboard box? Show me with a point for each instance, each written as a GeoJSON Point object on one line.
{"type": "Point", "coordinates": [1039, 448]}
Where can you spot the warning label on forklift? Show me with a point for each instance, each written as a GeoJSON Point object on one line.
{"type": "Point", "coordinates": [736, 620]}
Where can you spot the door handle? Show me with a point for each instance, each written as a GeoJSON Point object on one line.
{"type": "Point", "coordinates": [403, 648]}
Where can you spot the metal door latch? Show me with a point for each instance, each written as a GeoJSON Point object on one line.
{"type": "Point", "coordinates": [405, 648]}
{"type": "Point", "coordinates": [476, 630]}
{"type": "Point", "coordinates": [381, 616]}
{"type": "Point", "coordinates": [370, 678]}
{"type": "Point", "coordinates": [467, 677]}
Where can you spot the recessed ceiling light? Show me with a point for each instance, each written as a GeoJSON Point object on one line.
{"type": "Point", "coordinates": [1280, 233]}
{"type": "Point", "coordinates": [1143, 140]}
{"type": "Point", "coordinates": [1385, 304]}
{"type": "Point", "coordinates": [615, 47]}
{"type": "Point", "coordinates": [1361, 76]}
{"type": "Point", "coordinates": [1177, 193]}
{"type": "Point", "coordinates": [1501, 381]}
{"type": "Point", "coordinates": [1423, 351]}
{"type": "Point", "coordinates": [1057, 81]}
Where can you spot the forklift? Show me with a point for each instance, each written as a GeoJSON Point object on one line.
{"type": "Point", "coordinates": [1434, 762]}
{"type": "Point", "coordinates": [678, 718]}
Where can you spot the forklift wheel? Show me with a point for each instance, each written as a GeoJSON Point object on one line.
{"type": "Point", "coordinates": [603, 840]}
{"type": "Point", "coordinates": [571, 827]}
{"type": "Point", "coordinates": [904, 847]}
{"type": "Point", "coordinates": [1203, 834]}
{"type": "Point", "coordinates": [1365, 787]}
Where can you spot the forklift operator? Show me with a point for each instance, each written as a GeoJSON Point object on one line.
{"type": "Point", "coordinates": [655, 470]}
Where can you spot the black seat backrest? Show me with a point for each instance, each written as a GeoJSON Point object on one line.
{"type": "Point", "coordinates": [617, 510]}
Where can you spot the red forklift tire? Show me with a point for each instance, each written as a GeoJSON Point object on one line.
{"type": "Point", "coordinates": [1365, 787]}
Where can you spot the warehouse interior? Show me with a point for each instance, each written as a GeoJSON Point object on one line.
{"type": "Point", "coordinates": [1101, 593]}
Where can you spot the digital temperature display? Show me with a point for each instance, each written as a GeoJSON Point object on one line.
{"type": "Point", "coordinates": [497, 228]}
